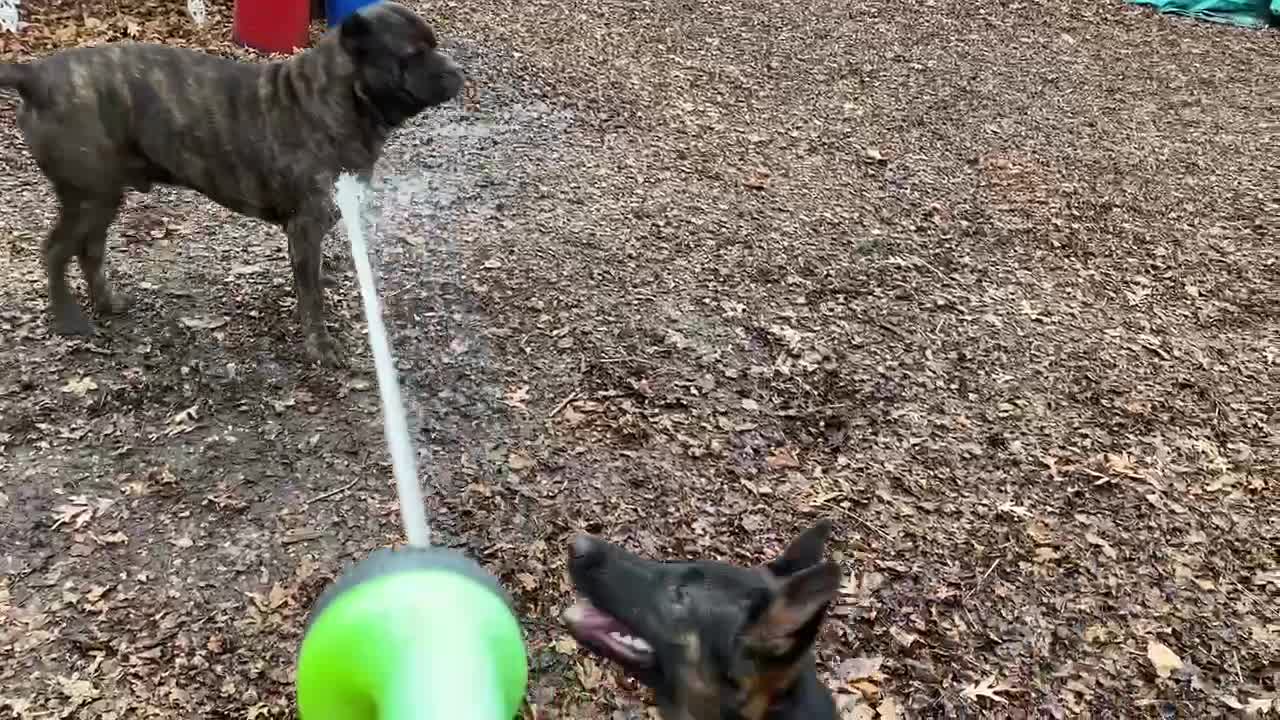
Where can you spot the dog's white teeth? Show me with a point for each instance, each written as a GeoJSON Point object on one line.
{"type": "Point", "coordinates": [634, 643]}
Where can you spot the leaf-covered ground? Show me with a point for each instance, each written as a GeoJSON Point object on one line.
{"type": "Point", "coordinates": [992, 285]}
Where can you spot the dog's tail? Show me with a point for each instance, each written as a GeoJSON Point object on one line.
{"type": "Point", "coordinates": [17, 76]}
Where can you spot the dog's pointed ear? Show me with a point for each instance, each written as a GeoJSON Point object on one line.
{"type": "Point", "coordinates": [355, 33]}
{"type": "Point", "coordinates": [804, 552]}
{"type": "Point", "coordinates": [788, 618]}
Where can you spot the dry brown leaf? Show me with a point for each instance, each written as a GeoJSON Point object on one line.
{"type": "Point", "coordinates": [988, 689]}
{"type": "Point", "coordinates": [869, 690]}
{"type": "Point", "coordinates": [1253, 707]}
{"type": "Point", "coordinates": [517, 397]}
{"type": "Point", "coordinates": [589, 674]}
{"type": "Point", "coordinates": [758, 179]}
{"type": "Point", "coordinates": [1122, 464]}
{"type": "Point", "coordinates": [862, 585]}
{"type": "Point", "coordinates": [852, 707]}
{"type": "Point", "coordinates": [115, 538]}
{"type": "Point", "coordinates": [203, 323]}
{"type": "Point", "coordinates": [782, 458]}
{"type": "Point", "coordinates": [80, 386]}
{"type": "Point", "coordinates": [184, 421]}
{"type": "Point", "coordinates": [1162, 658]}
{"type": "Point", "coordinates": [78, 691]}
{"type": "Point", "coordinates": [1101, 544]}
{"type": "Point", "coordinates": [1270, 577]}
{"type": "Point", "coordinates": [905, 638]}
{"type": "Point", "coordinates": [518, 461]}
{"type": "Point", "coordinates": [77, 514]}
{"type": "Point", "coordinates": [20, 707]}
{"type": "Point", "coordinates": [861, 668]}
{"type": "Point", "coordinates": [860, 712]}
{"type": "Point", "coordinates": [1097, 633]}
{"type": "Point", "coordinates": [571, 416]}
{"type": "Point", "coordinates": [1045, 554]}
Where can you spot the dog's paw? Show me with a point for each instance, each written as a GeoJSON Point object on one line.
{"type": "Point", "coordinates": [332, 270]}
{"type": "Point", "coordinates": [322, 349]}
{"type": "Point", "coordinates": [112, 304]}
{"type": "Point", "coordinates": [68, 320]}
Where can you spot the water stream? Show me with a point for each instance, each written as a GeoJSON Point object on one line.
{"type": "Point", "coordinates": [349, 194]}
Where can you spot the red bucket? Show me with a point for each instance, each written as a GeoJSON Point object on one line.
{"type": "Point", "coordinates": [272, 26]}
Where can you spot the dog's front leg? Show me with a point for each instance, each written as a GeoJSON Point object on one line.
{"type": "Point", "coordinates": [306, 231]}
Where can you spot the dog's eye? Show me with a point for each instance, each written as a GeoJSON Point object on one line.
{"type": "Point", "coordinates": [690, 578]}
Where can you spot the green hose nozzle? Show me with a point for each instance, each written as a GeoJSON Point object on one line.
{"type": "Point", "coordinates": [412, 634]}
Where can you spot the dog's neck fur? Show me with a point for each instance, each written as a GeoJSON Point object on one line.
{"type": "Point", "coordinates": [804, 696]}
{"type": "Point", "coordinates": [805, 699]}
{"type": "Point", "coordinates": [307, 80]}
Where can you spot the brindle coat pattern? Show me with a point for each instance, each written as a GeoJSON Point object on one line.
{"type": "Point", "coordinates": [266, 140]}
{"type": "Point", "coordinates": [728, 642]}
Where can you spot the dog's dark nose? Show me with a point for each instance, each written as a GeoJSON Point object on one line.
{"type": "Point", "coordinates": [584, 549]}
{"type": "Point", "coordinates": [452, 77]}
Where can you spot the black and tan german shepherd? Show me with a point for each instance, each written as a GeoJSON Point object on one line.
{"type": "Point", "coordinates": [714, 641]}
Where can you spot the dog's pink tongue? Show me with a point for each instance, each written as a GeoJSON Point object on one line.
{"type": "Point", "coordinates": [582, 615]}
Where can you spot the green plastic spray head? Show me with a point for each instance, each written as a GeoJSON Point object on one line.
{"type": "Point", "coordinates": [412, 634]}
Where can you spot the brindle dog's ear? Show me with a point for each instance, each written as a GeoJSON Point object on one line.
{"type": "Point", "coordinates": [803, 552]}
{"type": "Point", "coordinates": [355, 33]}
{"type": "Point", "coordinates": [789, 618]}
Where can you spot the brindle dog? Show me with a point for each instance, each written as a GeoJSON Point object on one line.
{"type": "Point", "coordinates": [714, 641]}
{"type": "Point", "coordinates": [266, 140]}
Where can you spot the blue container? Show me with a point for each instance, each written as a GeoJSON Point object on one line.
{"type": "Point", "coordinates": [335, 11]}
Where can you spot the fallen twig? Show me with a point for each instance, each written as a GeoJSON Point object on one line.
{"type": "Point", "coordinates": [302, 536]}
{"type": "Point", "coordinates": [333, 492]}
{"type": "Point", "coordinates": [1266, 610]}
{"type": "Point", "coordinates": [863, 521]}
{"type": "Point", "coordinates": [982, 579]}
{"type": "Point", "coordinates": [563, 404]}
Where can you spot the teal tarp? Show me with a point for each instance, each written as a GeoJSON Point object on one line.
{"type": "Point", "coordinates": [1249, 13]}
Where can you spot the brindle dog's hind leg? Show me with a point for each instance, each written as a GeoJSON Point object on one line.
{"type": "Point", "coordinates": [92, 259]}
{"type": "Point", "coordinates": [83, 220]}
{"type": "Point", "coordinates": [306, 232]}
{"type": "Point", "coordinates": [334, 265]}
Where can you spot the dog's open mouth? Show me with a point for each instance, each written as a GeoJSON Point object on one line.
{"type": "Point", "coordinates": [605, 634]}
